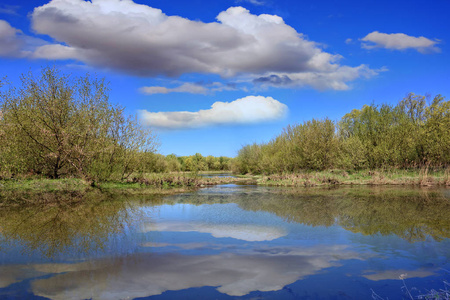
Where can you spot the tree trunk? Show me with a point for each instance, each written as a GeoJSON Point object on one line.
{"type": "Point", "coordinates": [56, 168]}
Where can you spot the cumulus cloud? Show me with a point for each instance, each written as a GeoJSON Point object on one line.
{"type": "Point", "coordinates": [399, 41]}
{"type": "Point", "coordinates": [10, 42]}
{"type": "Point", "coordinates": [138, 39]}
{"type": "Point", "coordinates": [152, 43]}
{"type": "Point", "coordinates": [54, 52]}
{"type": "Point", "coordinates": [336, 80]}
{"type": "Point", "coordinates": [188, 87]}
{"type": "Point", "coordinates": [274, 80]}
{"type": "Point", "coordinates": [251, 109]}
{"type": "Point", "coordinates": [13, 43]}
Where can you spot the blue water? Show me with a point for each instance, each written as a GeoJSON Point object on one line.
{"type": "Point", "coordinates": [235, 242]}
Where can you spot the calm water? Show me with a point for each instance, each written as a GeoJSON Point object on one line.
{"type": "Point", "coordinates": [229, 242]}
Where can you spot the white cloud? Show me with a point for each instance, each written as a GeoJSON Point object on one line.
{"type": "Point", "coordinates": [348, 41]}
{"type": "Point", "coordinates": [220, 87]}
{"type": "Point", "coordinates": [10, 41]}
{"type": "Point", "coordinates": [54, 52]}
{"type": "Point", "coordinates": [399, 41]}
{"type": "Point", "coordinates": [138, 39]}
{"type": "Point", "coordinates": [251, 109]}
{"type": "Point", "coordinates": [336, 80]}
{"type": "Point", "coordinates": [190, 88]}
{"type": "Point", "coordinates": [13, 43]}
{"type": "Point", "coordinates": [9, 9]}
{"type": "Point", "coordinates": [254, 2]}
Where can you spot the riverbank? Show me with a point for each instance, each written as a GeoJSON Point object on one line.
{"type": "Point", "coordinates": [363, 177]}
{"type": "Point", "coordinates": [150, 184]}
{"type": "Point", "coordinates": [172, 183]}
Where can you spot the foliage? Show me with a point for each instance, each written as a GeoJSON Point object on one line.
{"type": "Point", "coordinates": [58, 125]}
{"type": "Point", "coordinates": [197, 162]}
{"type": "Point", "coordinates": [415, 133]}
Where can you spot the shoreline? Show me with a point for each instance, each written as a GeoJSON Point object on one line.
{"type": "Point", "coordinates": [359, 178]}
{"type": "Point", "coordinates": [152, 185]}
{"type": "Point", "coordinates": [173, 183]}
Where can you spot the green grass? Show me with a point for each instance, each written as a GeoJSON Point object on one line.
{"type": "Point", "coordinates": [144, 184]}
{"type": "Point", "coordinates": [166, 183]}
{"type": "Point", "coordinates": [44, 185]}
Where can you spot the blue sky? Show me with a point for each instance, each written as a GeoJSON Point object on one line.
{"type": "Point", "coordinates": [212, 76]}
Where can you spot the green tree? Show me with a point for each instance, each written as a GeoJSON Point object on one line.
{"type": "Point", "coordinates": [437, 132]}
{"type": "Point", "coordinates": [409, 134]}
{"type": "Point", "coordinates": [59, 125]}
{"type": "Point", "coordinates": [173, 163]}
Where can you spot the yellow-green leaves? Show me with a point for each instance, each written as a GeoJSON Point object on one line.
{"type": "Point", "coordinates": [58, 125]}
{"type": "Point", "coordinates": [410, 134]}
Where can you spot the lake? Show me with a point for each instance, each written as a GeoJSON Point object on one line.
{"type": "Point", "coordinates": [229, 242]}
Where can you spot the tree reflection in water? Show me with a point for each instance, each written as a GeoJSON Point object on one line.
{"type": "Point", "coordinates": [409, 213]}
{"type": "Point", "coordinates": [53, 223]}
{"type": "Point", "coordinates": [58, 222]}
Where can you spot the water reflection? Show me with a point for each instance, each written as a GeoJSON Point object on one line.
{"type": "Point", "coordinates": [246, 232]}
{"type": "Point", "coordinates": [396, 274]}
{"type": "Point", "coordinates": [11, 274]}
{"type": "Point", "coordinates": [65, 222]}
{"type": "Point", "coordinates": [235, 239]}
{"type": "Point", "coordinates": [146, 274]}
{"type": "Point", "coordinates": [87, 221]}
{"type": "Point", "coordinates": [412, 214]}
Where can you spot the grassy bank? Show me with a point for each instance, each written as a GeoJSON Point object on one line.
{"type": "Point", "coordinates": [170, 183]}
{"type": "Point", "coordinates": [149, 183]}
{"type": "Point", "coordinates": [33, 190]}
{"type": "Point", "coordinates": [422, 177]}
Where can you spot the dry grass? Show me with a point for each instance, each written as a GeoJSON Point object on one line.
{"type": "Point", "coordinates": [164, 183]}
{"type": "Point", "coordinates": [422, 177]}
{"type": "Point", "coordinates": [182, 180]}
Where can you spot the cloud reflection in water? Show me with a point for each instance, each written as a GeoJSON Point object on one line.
{"type": "Point", "coordinates": [246, 232]}
{"type": "Point", "coordinates": [147, 274]}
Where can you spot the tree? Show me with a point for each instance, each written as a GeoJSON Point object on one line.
{"type": "Point", "coordinates": [173, 164]}
{"type": "Point", "coordinates": [437, 132]}
{"type": "Point", "coordinates": [58, 125]}
{"type": "Point", "coordinates": [409, 134]}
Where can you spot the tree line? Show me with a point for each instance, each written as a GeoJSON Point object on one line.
{"type": "Point", "coordinates": [158, 163]}
{"type": "Point", "coordinates": [55, 125]}
{"type": "Point", "coordinates": [412, 134]}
